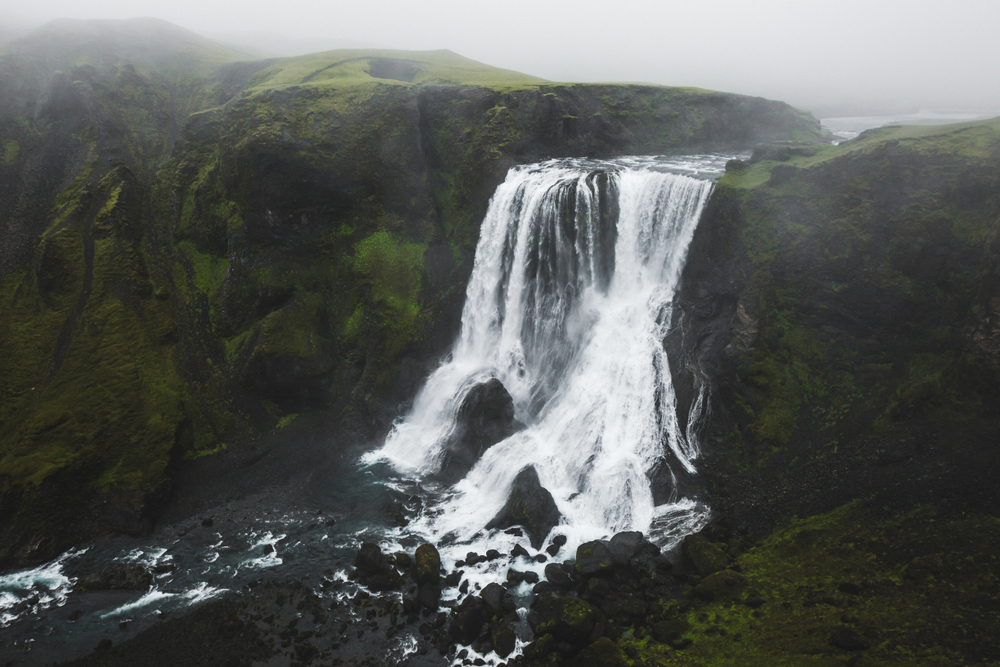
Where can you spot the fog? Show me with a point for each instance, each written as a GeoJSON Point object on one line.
{"type": "Point", "coordinates": [851, 57]}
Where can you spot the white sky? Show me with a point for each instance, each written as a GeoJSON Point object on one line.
{"type": "Point", "coordinates": [865, 56]}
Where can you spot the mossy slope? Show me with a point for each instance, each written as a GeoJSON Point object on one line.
{"type": "Point", "coordinates": [848, 297]}
{"type": "Point", "coordinates": [840, 588]}
{"type": "Point", "coordinates": [196, 247]}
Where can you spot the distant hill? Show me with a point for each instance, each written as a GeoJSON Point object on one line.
{"type": "Point", "coordinates": [146, 43]}
{"type": "Point", "coordinates": [347, 67]}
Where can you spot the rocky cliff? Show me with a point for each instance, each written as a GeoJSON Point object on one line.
{"type": "Point", "coordinates": [196, 247]}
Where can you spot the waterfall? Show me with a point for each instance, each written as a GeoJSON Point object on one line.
{"type": "Point", "coordinates": [568, 304]}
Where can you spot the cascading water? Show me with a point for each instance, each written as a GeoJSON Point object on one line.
{"type": "Point", "coordinates": [568, 304]}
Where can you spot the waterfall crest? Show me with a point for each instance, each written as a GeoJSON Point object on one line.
{"type": "Point", "coordinates": [568, 304]}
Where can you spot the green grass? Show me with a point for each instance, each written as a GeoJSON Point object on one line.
{"type": "Point", "coordinates": [976, 139]}
{"type": "Point", "coordinates": [351, 67]}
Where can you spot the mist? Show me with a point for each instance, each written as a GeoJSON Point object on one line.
{"type": "Point", "coordinates": [834, 59]}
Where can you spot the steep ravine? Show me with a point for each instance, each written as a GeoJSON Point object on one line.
{"type": "Point", "coordinates": [269, 239]}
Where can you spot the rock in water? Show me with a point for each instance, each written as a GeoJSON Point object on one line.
{"type": "Point", "coordinates": [427, 564]}
{"type": "Point", "coordinates": [529, 505]}
{"type": "Point", "coordinates": [485, 418]}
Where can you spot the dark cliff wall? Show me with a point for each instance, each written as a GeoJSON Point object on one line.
{"type": "Point", "coordinates": [193, 249]}
{"type": "Point", "coordinates": [842, 305]}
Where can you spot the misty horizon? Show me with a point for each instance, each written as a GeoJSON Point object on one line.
{"type": "Point", "coordinates": [864, 60]}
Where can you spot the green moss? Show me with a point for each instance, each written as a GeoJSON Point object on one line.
{"type": "Point", "coordinates": [390, 269]}
{"type": "Point", "coordinates": [9, 152]}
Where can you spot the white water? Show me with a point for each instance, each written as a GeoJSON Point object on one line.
{"type": "Point", "coordinates": [568, 307]}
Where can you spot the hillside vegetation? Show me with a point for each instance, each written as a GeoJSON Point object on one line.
{"type": "Point", "coordinates": [194, 247]}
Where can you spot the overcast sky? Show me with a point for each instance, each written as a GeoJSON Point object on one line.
{"type": "Point", "coordinates": [863, 56]}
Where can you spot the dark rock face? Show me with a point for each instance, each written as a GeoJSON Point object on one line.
{"type": "Point", "coordinates": [485, 418]}
{"type": "Point", "coordinates": [867, 351]}
{"type": "Point", "coordinates": [529, 505]}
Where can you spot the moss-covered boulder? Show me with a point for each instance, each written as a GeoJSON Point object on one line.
{"type": "Point", "coordinates": [568, 619]}
{"type": "Point", "coordinates": [706, 557]}
{"type": "Point", "coordinates": [427, 565]}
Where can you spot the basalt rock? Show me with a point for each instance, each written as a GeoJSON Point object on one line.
{"type": "Point", "coordinates": [485, 418]}
{"type": "Point", "coordinates": [427, 564]}
{"type": "Point", "coordinates": [529, 505]}
{"type": "Point", "coordinates": [593, 558]}
{"type": "Point", "coordinates": [467, 620]}
{"type": "Point", "coordinates": [568, 619]}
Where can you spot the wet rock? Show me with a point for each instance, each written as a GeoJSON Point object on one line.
{"type": "Point", "coordinates": [625, 545]}
{"type": "Point", "coordinates": [493, 595]}
{"type": "Point", "coordinates": [848, 639]}
{"type": "Point", "coordinates": [429, 595]}
{"type": "Point", "coordinates": [427, 564]}
{"type": "Point", "coordinates": [370, 559]}
{"type": "Point", "coordinates": [567, 619]}
{"type": "Point", "coordinates": [503, 639]}
{"type": "Point", "coordinates": [518, 550]}
{"type": "Point", "coordinates": [403, 560]}
{"type": "Point", "coordinates": [529, 505]}
{"type": "Point", "coordinates": [467, 620]}
{"type": "Point", "coordinates": [602, 653]}
{"type": "Point", "coordinates": [541, 647]}
{"type": "Point", "coordinates": [706, 557]}
{"type": "Point", "coordinates": [555, 573]}
{"type": "Point", "coordinates": [593, 558]}
{"type": "Point", "coordinates": [485, 417]}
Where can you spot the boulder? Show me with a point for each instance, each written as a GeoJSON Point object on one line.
{"type": "Point", "coordinates": [721, 586]}
{"type": "Point", "coordinates": [467, 620]}
{"type": "Point", "coordinates": [556, 574]}
{"type": "Point", "coordinates": [503, 638]}
{"type": "Point", "coordinates": [568, 619]}
{"type": "Point", "coordinates": [706, 557]}
{"type": "Point", "coordinates": [426, 564]}
{"type": "Point", "coordinates": [485, 417]}
{"type": "Point", "coordinates": [370, 559]}
{"type": "Point", "coordinates": [429, 595]}
{"type": "Point", "coordinates": [493, 595]}
{"type": "Point", "coordinates": [529, 505]}
{"type": "Point", "coordinates": [593, 558]}
{"type": "Point", "coordinates": [625, 545]}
